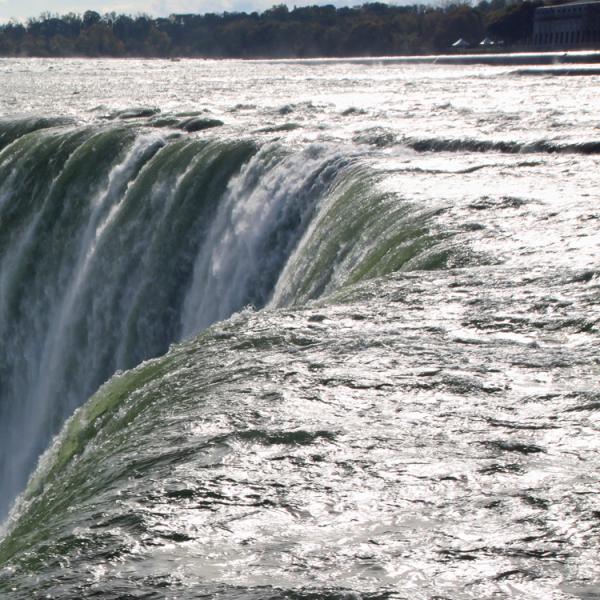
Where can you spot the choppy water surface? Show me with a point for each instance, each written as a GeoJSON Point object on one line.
{"type": "Point", "coordinates": [399, 394]}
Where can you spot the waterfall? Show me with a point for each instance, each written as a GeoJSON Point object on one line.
{"type": "Point", "coordinates": [116, 242]}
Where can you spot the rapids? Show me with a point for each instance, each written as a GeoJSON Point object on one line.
{"type": "Point", "coordinates": [324, 329]}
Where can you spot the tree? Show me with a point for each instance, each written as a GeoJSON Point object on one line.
{"type": "Point", "coordinates": [371, 30]}
{"type": "Point", "coordinates": [515, 24]}
{"type": "Point", "coordinates": [99, 40]}
{"type": "Point", "coordinates": [460, 22]}
{"type": "Point", "coordinates": [90, 18]}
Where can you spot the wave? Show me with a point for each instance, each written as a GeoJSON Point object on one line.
{"type": "Point", "coordinates": [502, 146]}
{"type": "Point", "coordinates": [12, 129]}
{"type": "Point", "coordinates": [383, 138]}
{"type": "Point", "coordinates": [586, 71]}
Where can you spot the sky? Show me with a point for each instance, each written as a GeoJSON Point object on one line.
{"type": "Point", "coordinates": [22, 9]}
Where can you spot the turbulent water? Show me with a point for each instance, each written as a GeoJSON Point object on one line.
{"type": "Point", "coordinates": [305, 330]}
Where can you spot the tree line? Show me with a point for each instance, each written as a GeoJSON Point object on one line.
{"type": "Point", "coordinates": [373, 29]}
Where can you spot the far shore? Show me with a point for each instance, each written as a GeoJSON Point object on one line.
{"type": "Point", "coordinates": [554, 59]}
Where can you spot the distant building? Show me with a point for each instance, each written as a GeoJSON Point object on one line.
{"type": "Point", "coordinates": [567, 25]}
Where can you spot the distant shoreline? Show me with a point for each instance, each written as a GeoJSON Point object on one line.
{"type": "Point", "coordinates": [553, 59]}
{"type": "Point", "coordinates": [500, 59]}
{"type": "Point", "coordinates": [513, 58]}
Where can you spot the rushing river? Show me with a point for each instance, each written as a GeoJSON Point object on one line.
{"type": "Point", "coordinates": [314, 330]}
